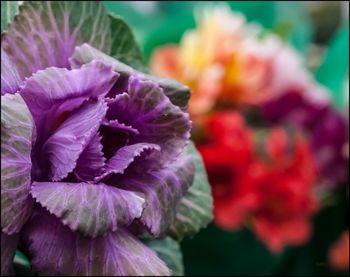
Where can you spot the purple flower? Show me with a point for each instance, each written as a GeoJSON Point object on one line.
{"type": "Point", "coordinates": [327, 129]}
{"type": "Point", "coordinates": [106, 166]}
{"type": "Point", "coordinates": [93, 152]}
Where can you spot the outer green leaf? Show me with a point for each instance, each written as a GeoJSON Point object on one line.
{"type": "Point", "coordinates": [196, 208]}
{"type": "Point", "coordinates": [124, 46]}
{"type": "Point", "coordinates": [16, 140]}
{"type": "Point", "coordinates": [335, 66]}
{"type": "Point", "coordinates": [8, 10]}
{"type": "Point", "coordinates": [169, 251]}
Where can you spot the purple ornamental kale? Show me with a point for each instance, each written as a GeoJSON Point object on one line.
{"type": "Point", "coordinates": [92, 155]}
{"type": "Point", "coordinates": [327, 128]}
{"type": "Point", "coordinates": [107, 164]}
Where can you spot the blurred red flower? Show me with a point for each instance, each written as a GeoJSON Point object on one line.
{"type": "Point", "coordinates": [270, 186]}
{"type": "Point", "coordinates": [228, 153]}
{"type": "Point", "coordinates": [339, 252]}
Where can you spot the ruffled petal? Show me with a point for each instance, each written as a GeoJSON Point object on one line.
{"type": "Point", "coordinates": [53, 93]}
{"type": "Point", "coordinates": [64, 147]}
{"type": "Point", "coordinates": [148, 110]}
{"type": "Point", "coordinates": [91, 209]}
{"type": "Point", "coordinates": [163, 191]}
{"type": "Point", "coordinates": [47, 90]}
{"type": "Point", "coordinates": [124, 157]}
{"type": "Point", "coordinates": [56, 250]}
{"type": "Point", "coordinates": [115, 135]}
{"type": "Point", "coordinates": [91, 160]}
{"type": "Point", "coordinates": [115, 124]}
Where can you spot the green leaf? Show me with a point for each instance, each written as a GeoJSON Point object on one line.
{"type": "Point", "coordinates": [196, 208]}
{"type": "Point", "coordinates": [169, 251]}
{"type": "Point", "coordinates": [123, 45]}
{"type": "Point", "coordinates": [8, 10]}
{"type": "Point", "coordinates": [335, 66]}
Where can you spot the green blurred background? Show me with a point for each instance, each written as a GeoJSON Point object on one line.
{"type": "Point", "coordinates": [320, 30]}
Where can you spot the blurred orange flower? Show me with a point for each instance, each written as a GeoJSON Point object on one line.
{"type": "Point", "coordinates": [339, 253]}
{"type": "Point", "coordinates": [215, 60]}
{"type": "Point", "coordinates": [271, 190]}
{"type": "Point", "coordinates": [225, 59]}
